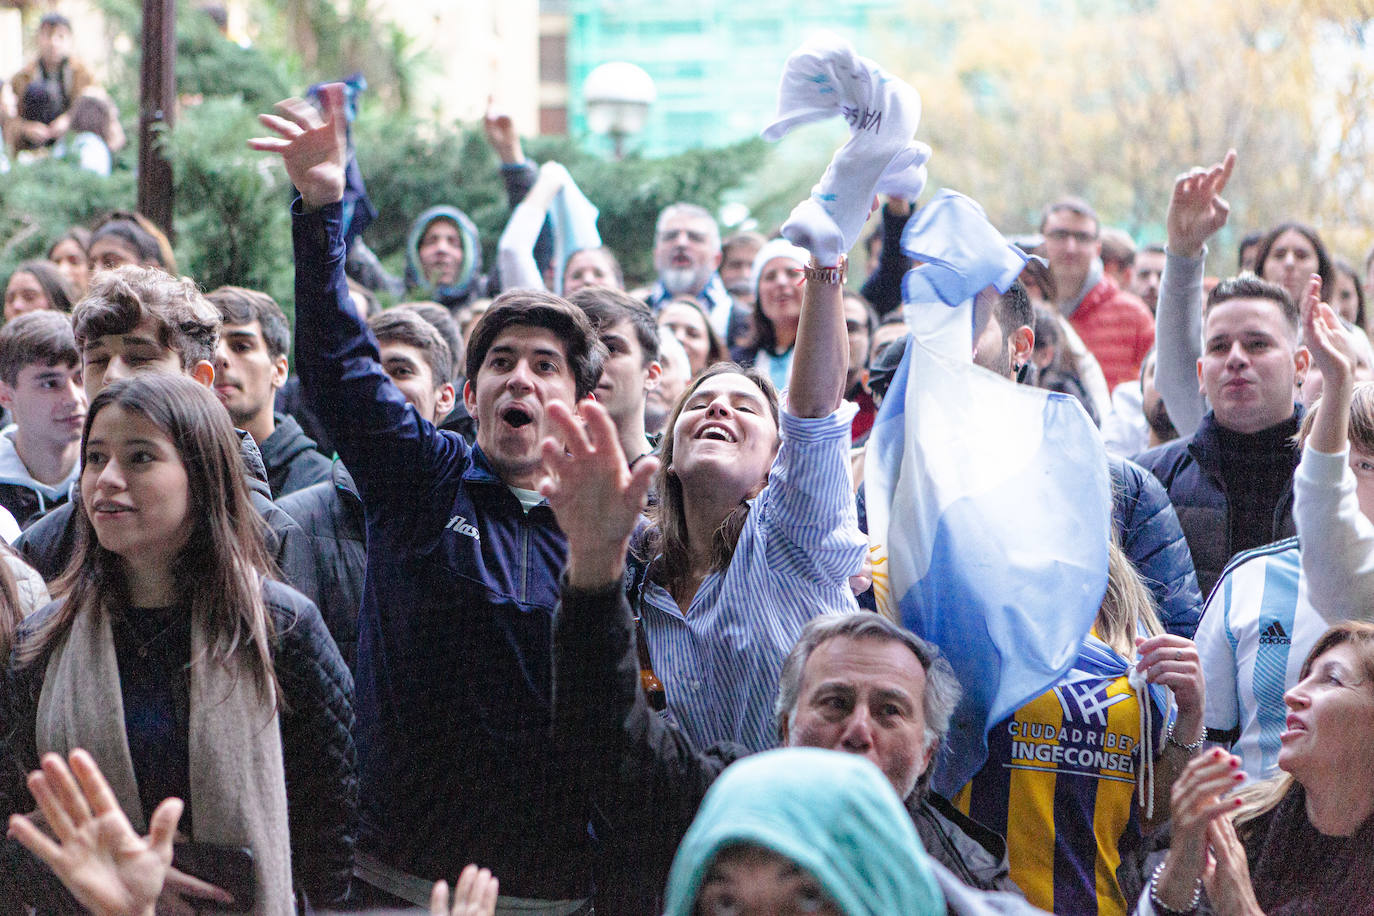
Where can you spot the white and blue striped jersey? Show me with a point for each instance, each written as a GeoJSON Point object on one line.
{"type": "Point", "coordinates": [1256, 631]}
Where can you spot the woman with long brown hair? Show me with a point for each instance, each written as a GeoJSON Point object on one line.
{"type": "Point", "coordinates": [755, 531]}
{"type": "Point", "coordinates": [182, 666]}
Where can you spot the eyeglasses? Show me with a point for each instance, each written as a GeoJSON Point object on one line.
{"type": "Point", "coordinates": [1063, 235]}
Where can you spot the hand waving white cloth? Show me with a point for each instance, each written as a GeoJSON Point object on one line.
{"type": "Point", "coordinates": [825, 78]}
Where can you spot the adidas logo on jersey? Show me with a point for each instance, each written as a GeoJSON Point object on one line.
{"type": "Point", "coordinates": [1274, 635]}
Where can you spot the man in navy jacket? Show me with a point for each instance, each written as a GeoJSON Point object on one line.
{"type": "Point", "coordinates": [463, 558]}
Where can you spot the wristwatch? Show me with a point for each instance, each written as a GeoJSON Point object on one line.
{"type": "Point", "coordinates": [834, 276]}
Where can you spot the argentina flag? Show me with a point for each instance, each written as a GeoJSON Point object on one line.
{"type": "Point", "coordinates": [989, 503]}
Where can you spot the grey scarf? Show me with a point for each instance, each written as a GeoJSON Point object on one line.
{"type": "Point", "coordinates": [238, 785]}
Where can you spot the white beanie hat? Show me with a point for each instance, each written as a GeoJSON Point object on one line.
{"type": "Point", "coordinates": [777, 248]}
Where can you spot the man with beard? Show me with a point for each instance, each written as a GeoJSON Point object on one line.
{"type": "Point", "coordinates": [1156, 414]}
{"type": "Point", "coordinates": [1008, 339]}
{"type": "Point", "coordinates": [687, 255]}
{"type": "Point", "coordinates": [1138, 419]}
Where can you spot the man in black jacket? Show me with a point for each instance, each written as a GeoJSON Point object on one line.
{"type": "Point", "coordinates": [1232, 480]}
{"type": "Point", "coordinates": [416, 358]}
{"type": "Point", "coordinates": [856, 683]}
{"type": "Point", "coordinates": [250, 365]}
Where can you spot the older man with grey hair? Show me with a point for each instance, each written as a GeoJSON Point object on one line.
{"type": "Point", "coordinates": [687, 256]}
{"type": "Point", "coordinates": [856, 683]}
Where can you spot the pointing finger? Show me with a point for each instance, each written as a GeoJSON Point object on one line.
{"type": "Point", "coordinates": [1228, 165]}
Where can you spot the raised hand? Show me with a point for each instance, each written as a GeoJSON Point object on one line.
{"type": "Point", "coordinates": [107, 866]}
{"type": "Point", "coordinates": [594, 495]}
{"type": "Point", "coordinates": [474, 895]}
{"type": "Point", "coordinates": [314, 149]}
{"type": "Point", "coordinates": [501, 135]}
{"type": "Point", "coordinates": [1334, 357]}
{"type": "Point", "coordinates": [1172, 661]}
{"type": "Point", "coordinates": [1325, 338]}
{"type": "Point", "coordinates": [1197, 209]}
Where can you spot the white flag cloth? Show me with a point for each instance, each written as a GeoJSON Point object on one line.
{"type": "Point", "coordinates": [989, 503]}
{"type": "Point", "coordinates": [825, 78]}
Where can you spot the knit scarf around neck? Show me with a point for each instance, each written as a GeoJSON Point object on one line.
{"type": "Point", "coordinates": [238, 785]}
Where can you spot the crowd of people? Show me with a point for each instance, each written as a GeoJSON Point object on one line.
{"type": "Point", "coordinates": [561, 591]}
{"type": "Point", "coordinates": [54, 107]}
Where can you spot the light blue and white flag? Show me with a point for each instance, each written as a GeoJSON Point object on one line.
{"type": "Point", "coordinates": [989, 503]}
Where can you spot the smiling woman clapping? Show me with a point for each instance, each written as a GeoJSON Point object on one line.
{"type": "Point", "coordinates": [1300, 842]}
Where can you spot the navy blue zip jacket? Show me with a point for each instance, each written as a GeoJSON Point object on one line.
{"type": "Point", "coordinates": [454, 636]}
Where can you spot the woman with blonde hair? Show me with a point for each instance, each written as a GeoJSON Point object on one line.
{"type": "Point", "coordinates": [1075, 777]}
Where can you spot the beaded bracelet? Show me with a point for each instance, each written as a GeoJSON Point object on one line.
{"type": "Point", "coordinates": [1159, 906]}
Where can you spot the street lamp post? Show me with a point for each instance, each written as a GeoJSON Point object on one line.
{"type": "Point", "coordinates": [618, 96]}
{"type": "Point", "coordinates": [157, 106]}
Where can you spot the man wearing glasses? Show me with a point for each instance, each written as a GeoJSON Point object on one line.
{"type": "Point", "coordinates": [1115, 325]}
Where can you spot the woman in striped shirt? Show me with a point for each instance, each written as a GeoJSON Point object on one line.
{"type": "Point", "coordinates": [755, 532]}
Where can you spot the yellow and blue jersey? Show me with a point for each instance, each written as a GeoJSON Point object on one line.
{"type": "Point", "coordinates": [1060, 782]}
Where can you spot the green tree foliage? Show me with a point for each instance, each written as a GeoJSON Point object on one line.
{"type": "Point", "coordinates": [231, 216]}
{"type": "Point", "coordinates": [631, 193]}
{"type": "Point", "coordinates": [232, 224]}
{"type": "Point", "coordinates": [409, 166]}
{"type": "Point", "coordinates": [39, 202]}
{"type": "Point", "coordinates": [210, 65]}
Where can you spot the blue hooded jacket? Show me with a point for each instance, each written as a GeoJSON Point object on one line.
{"type": "Point", "coordinates": [470, 283]}
{"type": "Point", "coordinates": [834, 814]}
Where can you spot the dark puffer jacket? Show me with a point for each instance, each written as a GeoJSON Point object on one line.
{"type": "Point", "coordinates": [317, 752]}
{"type": "Point", "coordinates": [292, 460]}
{"type": "Point", "coordinates": [331, 514]}
{"type": "Point", "coordinates": [1190, 470]}
{"type": "Point", "coordinates": [1151, 536]}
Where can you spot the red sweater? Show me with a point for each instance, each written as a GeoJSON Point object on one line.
{"type": "Point", "coordinates": [1117, 329]}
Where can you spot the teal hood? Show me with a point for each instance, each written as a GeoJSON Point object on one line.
{"type": "Point", "coordinates": [833, 814]}
{"type": "Point", "coordinates": [469, 282]}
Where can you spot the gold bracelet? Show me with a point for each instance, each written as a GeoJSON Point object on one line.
{"type": "Point", "coordinates": [833, 276]}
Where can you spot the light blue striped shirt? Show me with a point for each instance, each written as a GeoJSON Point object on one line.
{"type": "Point", "coordinates": [1255, 633]}
{"type": "Point", "coordinates": [801, 542]}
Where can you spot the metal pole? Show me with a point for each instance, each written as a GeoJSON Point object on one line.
{"type": "Point", "coordinates": [157, 107]}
